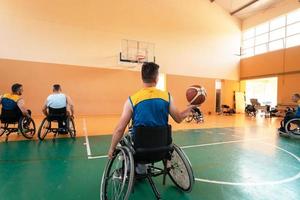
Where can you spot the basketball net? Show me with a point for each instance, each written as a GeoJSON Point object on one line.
{"type": "Point", "coordinates": [140, 59]}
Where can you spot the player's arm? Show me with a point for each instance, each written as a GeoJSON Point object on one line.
{"type": "Point", "coordinates": [1, 98]}
{"type": "Point", "coordinates": [21, 105]}
{"type": "Point", "coordinates": [44, 110]}
{"type": "Point", "coordinates": [176, 114]}
{"type": "Point", "coordinates": [70, 105]}
{"type": "Point", "coordinates": [120, 128]}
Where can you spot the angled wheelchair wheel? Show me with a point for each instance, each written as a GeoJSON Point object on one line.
{"type": "Point", "coordinates": [27, 127]}
{"type": "Point", "coordinates": [180, 170]}
{"type": "Point", "coordinates": [292, 127]}
{"type": "Point", "coordinates": [44, 129]}
{"type": "Point", "coordinates": [117, 178]}
{"type": "Point", "coordinates": [189, 118]}
{"type": "Point", "coordinates": [71, 127]}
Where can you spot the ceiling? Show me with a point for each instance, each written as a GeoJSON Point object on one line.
{"type": "Point", "coordinates": [233, 5]}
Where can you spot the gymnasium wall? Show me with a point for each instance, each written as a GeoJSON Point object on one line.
{"type": "Point", "coordinates": [284, 64]}
{"type": "Point", "coordinates": [177, 86]}
{"type": "Point", "coordinates": [94, 91]}
{"type": "Point", "coordinates": [193, 38]}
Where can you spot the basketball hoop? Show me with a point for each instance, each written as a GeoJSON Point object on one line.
{"type": "Point", "coordinates": [140, 58]}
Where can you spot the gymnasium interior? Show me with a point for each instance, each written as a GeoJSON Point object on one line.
{"type": "Point", "coordinates": [244, 53]}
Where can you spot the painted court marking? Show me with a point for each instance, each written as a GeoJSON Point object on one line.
{"type": "Point", "coordinates": [295, 177]}
{"type": "Point", "coordinates": [87, 142]}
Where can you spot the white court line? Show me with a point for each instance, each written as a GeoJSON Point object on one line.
{"type": "Point", "coordinates": [87, 143]}
{"type": "Point", "coordinates": [193, 146]}
{"type": "Point", "coordinates": [286, 180]}
{"type": "Point", "coordinates": [217, 143]}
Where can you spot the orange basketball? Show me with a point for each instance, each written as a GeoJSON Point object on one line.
{"type": "Point", "coordinates": [196, 94]}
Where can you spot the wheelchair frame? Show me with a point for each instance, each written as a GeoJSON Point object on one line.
{"type": "Point", "coordinates": [292, 128]}
{"type": "Point", "coordinates": [25, 126]}
{"type": "Point", "coordinates": [46, 128]}
{"type": "Point", "coordinates": [194, 116]}
{"type": "Point", "coordinates": [123, 177]}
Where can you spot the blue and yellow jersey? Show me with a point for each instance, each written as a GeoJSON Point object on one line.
{"type": "Point", "coordinates": [10, 101]}
{"type": "Point", "coordinates": [150, 107]}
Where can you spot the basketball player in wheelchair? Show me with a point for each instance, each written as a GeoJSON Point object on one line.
{"type": "Point", "coordinates": [290, 125]}
{"type": "Point", "coordinates": [14, 112]}
{"type": "Point", "coordinates": [196, 115]}
{"type": "Point", "coordinates": [57, 108]}
{"type": "Point", "coordinates": [149, 142]}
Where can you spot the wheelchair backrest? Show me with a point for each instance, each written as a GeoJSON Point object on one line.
{"type": "Point", "coordinates": [10, 116]}
{"type": "Point", "coordinates": [57, 113]}
{"type": "Point", "coordinates": [152, 144]}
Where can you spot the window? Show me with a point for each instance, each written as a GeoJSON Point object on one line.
{"type": "Point", "coordinates": [277, 23]}
{"type": "Point", "coordinates": [275, 45]}
{"type": "Point", "coordinates": [293, 17]}
{"type": "Point", "coordinates": [260, 49]}
{"type": "Point", "coordinates": [248, 43]}
{"type": "Point", "coordinates": [262, 29]}
{"type": "Point", "coordinates": [293, 29]}
{"type": "Point", "coordinates": [248, 52]}
{"type": "Point", "coordinates": [248, 34]}
{"type": "Point", "coordinates": [161, 81]}
{"type": "Point", "coordinates": [261, 39]}
{"type": "Point", "coordinates": [293, 41]}
{"type": "Point", "coordinates": [278, 33]}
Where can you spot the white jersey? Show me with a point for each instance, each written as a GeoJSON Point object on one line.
{"type": "Point", "coordinates": [58, 100]}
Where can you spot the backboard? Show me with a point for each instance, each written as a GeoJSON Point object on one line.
{"type": "Point", "coordinates": [134, 51]}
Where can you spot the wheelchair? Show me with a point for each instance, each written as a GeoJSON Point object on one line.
{"type": "Point", "coordinates": [250, 110]}
{"type": "Point", "coordinates": [291, 127]}
{"type": "Point", "coordinates": [193, 115]}
{"type": "Point", "coordinates": [226, 110]}
{"type": "Point", "coordinates": [149, 145]}
{"type": "Point", "coordinates": [13, 121]}
{"type": "Point", "coordinates": [58, 116]}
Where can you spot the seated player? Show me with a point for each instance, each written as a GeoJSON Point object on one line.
{"type": "Point", "coordinates": [147, 107]}
{"type": "Point", "coordinates": [291, 115]}
{"type": "Point", "coordinates": [59, 103]}
{"type": "Point", "coordinates": [14, 102]}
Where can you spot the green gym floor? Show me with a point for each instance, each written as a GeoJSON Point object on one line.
{"type": "Point", "coordinates": [228, 163]}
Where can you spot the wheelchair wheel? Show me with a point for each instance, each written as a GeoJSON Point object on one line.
{"type": "Point", "coordinates": [2, 128]}
{"type": "Point", "coordinates": [180, 170]}
{"type": "Point", "coordinates": [27, 127]}
{"type": "Point", "coordinates": [44, 129]}
{"type": "Point", "coordinates": [71, 127]}
{"type": "Point", "coordinates": [117, 178]}
{"type": "Point", "coordinates": [292, 127]}
{"type": "Point", "coordinates": [189, 118]}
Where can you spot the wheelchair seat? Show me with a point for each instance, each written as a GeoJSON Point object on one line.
{"type": "Point", "coordinates": [148, 145]}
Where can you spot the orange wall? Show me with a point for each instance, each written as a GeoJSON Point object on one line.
{"type": "Point", "coordinates": [285, 64]}
{"type": "Point", "coordinates": [177, 86]}
{"type": "Point", "coordinates": [94, 91]}
{"type": "Point", "coordinates": [227, 92]}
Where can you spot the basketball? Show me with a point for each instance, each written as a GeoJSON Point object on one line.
{"type": "Point", "coordinates": [196, 94]}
